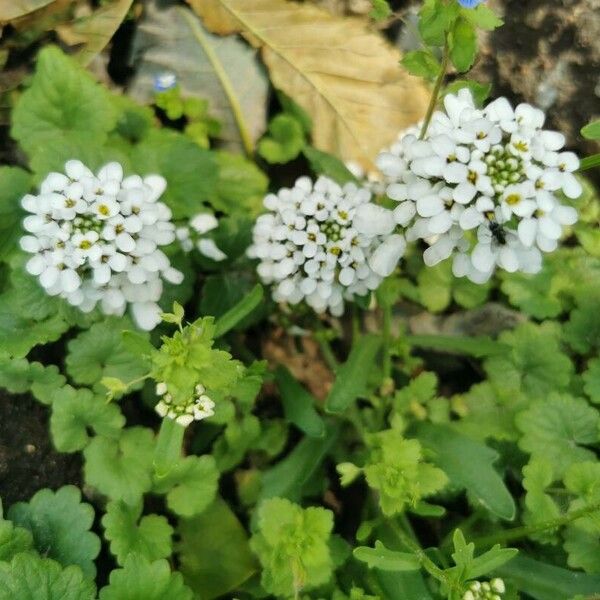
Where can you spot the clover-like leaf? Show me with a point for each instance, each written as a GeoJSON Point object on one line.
{"type": "Point", "coordinates": [29, 577]}
{"type": "Point", "coordinates": [558, 428]}
{"type": "Point", "coordinates": [100, 352]}
{"type": "Point", "coordinates": [149, 536]}
{"type": "Point", "coordinates": [191, 485]}
{"type": "Point", "coordinates": [140, 579]}
{"type": "Point", "coordinates": [60, 524]}
{"type": "Point", "coordinates": [77, 411]}
{"type": "Point", "coordinates": [121, 468]}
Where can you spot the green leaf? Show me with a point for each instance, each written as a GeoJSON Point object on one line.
{"type": "Point", "coordinates": [100, 352]}
{"type": "Point", "coordinates": [480, 91]}
{"type": "Point", "coordinates": [121, 469]}
{"type": "Point", "coordinates": [149, 536]}
{"type": "Point", "coordinates": [77, 411]}
{"type": "Point", "coordinates": [583, 549]}
{"type": "Point", "coordinates": [483, 17]}
{"type": "Point", "coordinates": [386, 560]}
{"type": "Point", "coordinates": [140, 579]}
{"type": "Point", "coordinates": [241, 185]}
{"type": "Point", "coordinates": [285, 140]}
{"type": "Point", "coordinates": [240, 311]}
{"type": "Point", "coordinates": [436, 17]}
{"type": "Point", "coordinates": [298, 404]}
{"type": "Point", "coordinates": [18, 375]}
{"type": "Point", "coordinates": [191, 172]}
{"type": "Point", "coordinates": [168, 446]}
{"type": "Point", "coordinates": [557, 428]}
{"type": "Point", "coordinates": [582, 332]}
{"type": "Point", "coordinates": [381, 10]}
{"type": "Point", "coordinates": [291, 107]}
{"type": "Point", "coordinates": [421, 63]}
{"type": "Point", "coordinates": [191, 485]}
{"type": "Point", "coordinates": [14, 184]}
{"type": "Point", "coordinates": [350, 379]}
{"type": "Point", "coordinates": [478, 346]}
{"type": "Point", "coordinates": [13, 540]}
{"type": "Point", "coordinates": [535, 365]}
{"type": "Point", "coordinates": [29, 577]}
{"type": "Point", "coordinates": [468, 465]}
{"type": "Point", "coordinates": [292, 545]}
{"type": "Point", "coordinates": [537, 476]}
{"type": "Point", "coordinates": [547, 582]}
{"type": "Point", "coordinates": [591, 131]}
{"type": "Point", "coordinates": [463, 45]}
{"type": "Point", "coordinates": [213, 551]}
{"type": "Point", "coordinates": [591, 377]}
{"type": "Point", "coordinates": [60, 525]}
{"type": "Point", "coordinates": [323, 163]}
{"type": "Point", "coordinates": [63, 104]}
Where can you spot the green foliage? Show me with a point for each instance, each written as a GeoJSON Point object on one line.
{"type": "Point", "coordinates": [381, 10]}
{"type": "Point", "coordinates": [326, 164]}
{"type": "Point", "coordinates": [396, 470]}
{"type": "Point", "coordinates": [421, 63]}
{"type": "Point", "coordinates": [463, 44]}
{"type": "Point", "coordinates": [60, 525]}
{"type": "Point", "coordinates": [285, 140]}
{"type": "Point", "coordinates": [13, 540]}
{"type": "Point", "coordinates": [14, 184]}
{"type": "Point", "coordinates": [591, 131]}
{"type": "Point", "coordinates": [380, 557]}
{"type": "Point", "coordinates": [292, 545]}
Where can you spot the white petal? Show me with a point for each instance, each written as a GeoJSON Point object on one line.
{"type": "Point", "coordinates": [204, 222]}
{"type": "Point", "coordinates": [565, 215]}
{"type": "Point", "coordinates": [75, 169]}
{"type": "Point", "coordinates": [440, 223]}
{"type": "Point", "coordinates": [146, 314]}
{"type": "Point", "coordinates": [157, 184]}
{"type": "Point", "coordinates": [404, 212]}
{"type": "Point", "coordinates": [372, 220]}
{"type": "Point", "coordinates": [112, 170]}
{"type": "Point", "coordinates": [438, 251]}
{"type": "Point", "coordinates": [470, 218]}
{"type": "Point", "coordinates": [483, 258]}
{"type": "Point", "coordinates": [211, 250]}
{"type": "Point", "coordinates": [429, 206]}
{"type": "Point", "coordinates": [455, 172]}
{"type": "Point", "coordinates": [69, 280]}
{"type": "Point", "coordinates": [571, 186]}
{"type": "Point", "coordinates": [507, 259]}
{"type": "Point", "coordinates": [386, 256]}
{"type": "Point", "coordinates": [527, 230]}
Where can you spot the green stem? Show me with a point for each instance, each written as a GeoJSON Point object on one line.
{"type": "Point", "coordinates": [387, 341]}
{"type": "Point", "coordinates": [223, 78]}
{"type": "Point", "coordinates": [436, 88]}
{"type": "Point", "coordinates": [589, 162]}
{"type": "Point", "coordinates": [516, 533]}
{"type": "Point", "coordinates": [326, 350]}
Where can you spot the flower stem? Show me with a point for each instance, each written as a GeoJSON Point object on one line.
{"type": "Point", "coordinates": [386, 332]}
{"type": "Point", "coordinates": [436, 88]}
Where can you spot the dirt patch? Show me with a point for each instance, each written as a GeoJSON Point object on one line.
{"type": "Point", "coordinates": [28, 462]}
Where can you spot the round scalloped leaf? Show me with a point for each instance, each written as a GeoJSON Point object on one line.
{"type": "Point", "coordinates": [18, 375]}
{"type": "Point", "coordinates": [139, 579]}
{"type": "Point", "coordinates": [591, 377]}
{"type": "Point", "coordinates": [121, 469]}
{"type": "Point", "coordinates": [149, 536]}
{"type": "Point", "coordinates": [60, 524]}
{"type": "Point", "coordinates": [29, 577]}
{"type": "Point", "coordinates": [13, 540]}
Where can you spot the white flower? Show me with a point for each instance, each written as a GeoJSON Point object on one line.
{"type": "Point", "coordinates": [94, 240]}
{"type": "Point", "coordinates": [191, 236]}
{"type": "Point", "coordinates": [494, 169]}
{"type": "Point", "coordinates": [199, 407]}
{"type": "Point", "coordinates": [317, 242]}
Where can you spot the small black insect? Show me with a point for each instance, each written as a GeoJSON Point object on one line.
{"type": "Point", "coordinates": [497, 232]}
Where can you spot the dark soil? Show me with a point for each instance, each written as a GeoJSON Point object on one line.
{"type": "Point", "coordinates": [28, 462]}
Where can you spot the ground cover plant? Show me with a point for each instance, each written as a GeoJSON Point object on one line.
{"type": "Point", "coordinates": [305, 316]}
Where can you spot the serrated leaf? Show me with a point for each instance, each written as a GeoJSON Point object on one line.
{"type": "Point", "coordinates": [483, 16]}
{"type": "Point", "coordinates": [14, 184]}
{"type": "Point", "coordinates": [140, 579]}
{"type": "Point", "coordinates": [591, 377]}
{"type": "Point", "coordinates": [191, 172]}
{"type": "Point", "coordinates": [100, 352]}
{"type": "Point", "coordinates": [421, 63]}
{"type": "Point", "coordinates": [77, 411]}
{"type": "Point", "coordinates": [582, 331]}
{"type": "Point", "coordinates": [213, 551]}
{"type": "Point", "coordinates": [121, 469]}
{"type": "Point", "coordinates": [225, 71]}
{"type": "Point", "coordinates": [537, 476]}
{"type": "Point", "coordinates": [191, 485]}
{"type": "Point", "coordinates": [284, 141]}
{"type": "Point", "coordinates": [63, 103]}
{"type": "Point", "coordinates": [583, 549]}
{"type": "Point", "coordinates": [29, 577]}
{"type": "Point", "coordinates": [435, 20]}
{"type": "Point", "coordinates": [558, 428]}
{"type": "Point", "coordinates": [60, 525]}
{"type": "Point", "coordinates": [357, 76]}
{"type": "Point", "coordinates": [468, 465]}
{"type": "Point", "coordinates": [463, 45]}
{"type": "Point", "coordinates": [387, 560]}
{"type": "Point", "coordinates": [350, 379]}
{"type": "Point", "coordinates": [148, 536]}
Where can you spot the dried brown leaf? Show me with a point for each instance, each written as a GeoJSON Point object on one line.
{"type": "Point", "coordinates": [14, 9]}
{"type": "Point", "coordinates": [347, 77]}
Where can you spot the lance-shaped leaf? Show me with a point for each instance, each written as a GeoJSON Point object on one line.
{"type": "Point", "coordinates": [346, 77]}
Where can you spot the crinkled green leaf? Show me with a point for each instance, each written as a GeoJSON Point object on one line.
{"type": "Point", "coordinates": [29, 577]}
{"type": "Point", "coordinates": [292, 544]}
{"type": "Point", "coordinates": [535, 365]}
{"type": "Point", "coordinates": [140, 579]}
{"type": "Point", "coordinates": [60, 524]}
{"type": "Point", "coordinates": [149, 536]}
{"type": "Point", "coordinates": [62, 103]}
{"type": "Point", "coordinates": [284, 141]}
{"type": "Point", "coordinates": [121, 469]}
{"type": "Point", "coordinates": [558, 428]}
{"type": "Point", "coordinates": [582, 331]}
{"type": "Point", "coordinates": [100, 352]}
{"type": "Point", "coordinates": [537, 476]}
{"type": "Point", "coordinates": [77, 411]}
{"type": "Point", "coordinates": [583, 549]}
{"type": "Point", "coordinates": [13, 540]}
{"type": "Point", "coordinates": [14, 184]}
{"type": "Point", "coordinates": [213, 551]}
{"type": "Point", "coordinates": [191, 485]}
{"type": "Point", "coordinates": [591, 377]}
{"type": "Point", "coordinates": [18, 375]}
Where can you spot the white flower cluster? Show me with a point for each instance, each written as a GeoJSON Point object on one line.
{"type": "Point", "coordinates": [309, 245]}
{"type": "Point", "coordinates": [483, 186]}
{"type": "Point", "coordinates": [190, 237]}
{"type": "Point", "coordinates": [485, 590]}
{"type": "Point", "coordinates": [95, 240]}
{"type": "Point", "coordinates": [200, 407]}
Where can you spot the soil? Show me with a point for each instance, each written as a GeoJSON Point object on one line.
{"type": "Point", "coordinates": [28, 462]}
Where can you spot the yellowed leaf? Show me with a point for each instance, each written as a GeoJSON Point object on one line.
{"type": "Point", "coordinates": [14, 9]}
{"type": "Point", "coordinates": [95, 30]}
{"type": "Point", "coordinates": [345, 76]}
